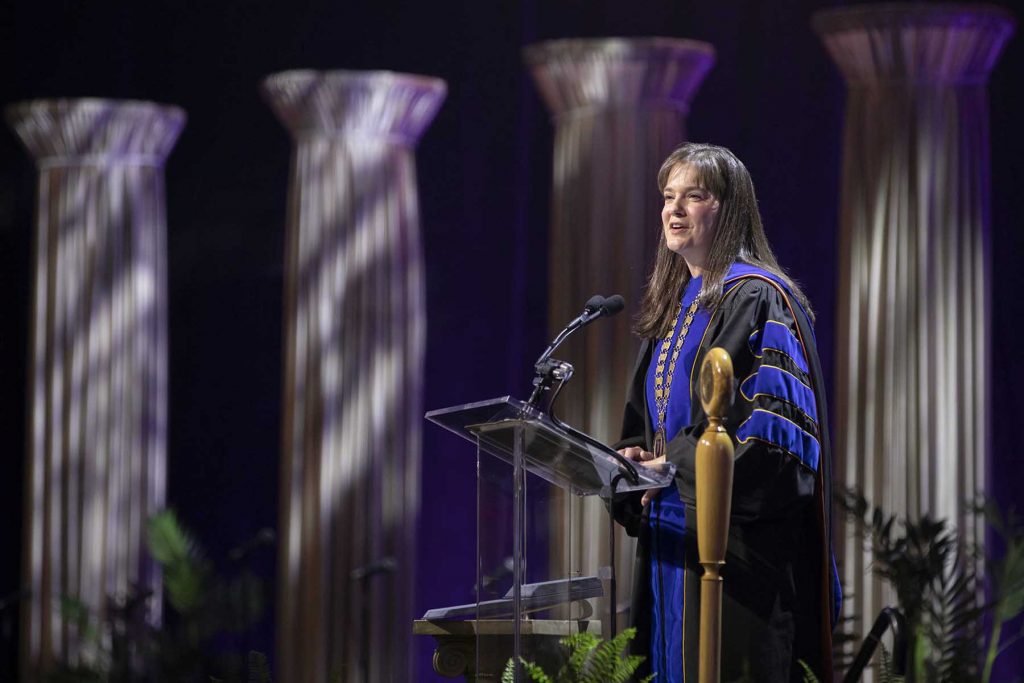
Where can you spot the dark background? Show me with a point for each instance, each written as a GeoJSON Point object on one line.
{"type": "Point", "coordinates": [773, 96]}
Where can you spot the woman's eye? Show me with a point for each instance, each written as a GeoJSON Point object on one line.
{"type": "Point", "coordinates": [695, 196]}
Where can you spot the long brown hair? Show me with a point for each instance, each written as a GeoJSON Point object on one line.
{"type": "Point", "coordinates": [738, 236]}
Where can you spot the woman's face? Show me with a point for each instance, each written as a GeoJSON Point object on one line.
{"type": "Point", "coordinates": [688, 217]}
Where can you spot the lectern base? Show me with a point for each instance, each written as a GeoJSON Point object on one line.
{"type": "Point", "coordinates": [456, 653]}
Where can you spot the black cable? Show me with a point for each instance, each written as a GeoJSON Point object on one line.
{"type": "Point", "coordinates": [613, 597]}
{"type": "Point", "coordinates": [888, 618]}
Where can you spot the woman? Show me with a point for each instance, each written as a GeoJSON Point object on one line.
{"type": "Point", "coordinates": [716, 283]}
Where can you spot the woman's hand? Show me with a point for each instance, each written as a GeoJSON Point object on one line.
{"type": "Point", "coordinates": [647, 459]}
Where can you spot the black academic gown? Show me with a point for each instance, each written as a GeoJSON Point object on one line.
{"type": "Point", "coordinates": [778, 583]}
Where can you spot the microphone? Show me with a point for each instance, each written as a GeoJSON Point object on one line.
{"type": "Point", "coordinates": [596, 307]}
{"type": "Point", "coordinates": [593, 303]}
{"type": "Point", "coordinates": [611, 305]}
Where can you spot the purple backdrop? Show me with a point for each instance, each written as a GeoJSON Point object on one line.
{"type": "Point", "coordinates": [773, 97]}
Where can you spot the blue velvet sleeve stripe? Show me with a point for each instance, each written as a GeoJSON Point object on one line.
{"type": "Point", "coordinates": [787, 410]}
{"type": "Point", "coordinates": [777, 430]}
{"type": "Point", "coordinates": [777, 382]}
{"type": "Point", "coordinates": [748, 387]}
{"type": "Point", "coordinates": [778, 336]}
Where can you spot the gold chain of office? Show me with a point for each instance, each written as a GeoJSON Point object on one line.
{"type": "Point", "coordinates": [663, 379]}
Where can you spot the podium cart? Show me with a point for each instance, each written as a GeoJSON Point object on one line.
{"type": "Point", "coordinates": [531, 588]}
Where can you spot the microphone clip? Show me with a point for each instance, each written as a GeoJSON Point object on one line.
{"type": "Point", "coordinates": [550, 374]}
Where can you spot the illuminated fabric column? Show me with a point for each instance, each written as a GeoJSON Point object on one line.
{"type": "Point", "coordinates": [619, 108]}
{"type": "Point", "coordinates": [912, 397]}
{"type": "Point", "coordinates": [355, 328]}
{"type": "Point", "coordinates": [98, 388]}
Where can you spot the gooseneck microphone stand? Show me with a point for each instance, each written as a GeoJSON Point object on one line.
{"type": "Point", "coordinates": [548, 369]}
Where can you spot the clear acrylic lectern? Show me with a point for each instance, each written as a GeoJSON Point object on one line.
{"type": "Point", "coordinates": [531, 590]}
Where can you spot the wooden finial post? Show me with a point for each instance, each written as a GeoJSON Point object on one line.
{"type": "Point", "coordinates": [714, 499]}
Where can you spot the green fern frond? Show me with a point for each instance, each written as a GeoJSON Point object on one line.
{"type": "Point", "coordinates": [809, 676]}
{"type": "Point", "coordinates": [601, 665]}
{"type": "Point", "coordinates": [620, 642]}
{"type": "Point", "coordinates": [605, 658]}
{"type": "Point", "coordinates": [168, 541]}
{"type": "Point", "coordinates": [1007, 581]}
{"type": "Point", "coordinates": [886, 674]}
{"type": "Point", "coordinates": [1010, 579]}
{"type": "Point", "coordinates": [588, 660]}
{"type": "Point", "coordinates": [579, 646]}
{"type": "Point", "coordinates": [74, 611]}
{"type": "Point", "coordinates": [606, 664]}
{"type": "Point", "coordinates": [954, 623]}
{"type": "Point", "coordinates": [625, 668]}
{"type": "Point", "coordinates": [186, 571]}
{"type": "Point", "coordinates": [535, 673]}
